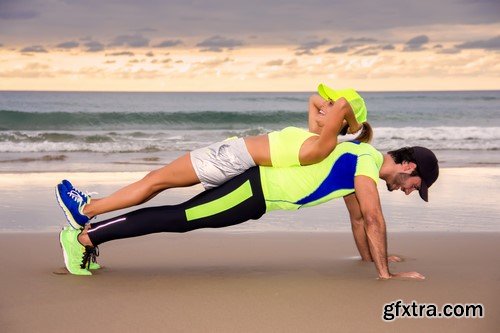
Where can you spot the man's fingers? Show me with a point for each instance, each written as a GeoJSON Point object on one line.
{"type": "Point", "coordinates": [408, 275]}
{"type": "Point", "coordinates": [416, 275]}
{"type": "Point", "coordinates": [394, 259]}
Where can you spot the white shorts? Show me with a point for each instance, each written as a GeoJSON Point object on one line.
{"type": "Point", "coordinates": [221, 161]}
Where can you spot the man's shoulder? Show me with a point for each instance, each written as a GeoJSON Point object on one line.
{"type": "Point", "coordinates": [357, 147]}
{"type": "Point", "coordinates": [369, 160]}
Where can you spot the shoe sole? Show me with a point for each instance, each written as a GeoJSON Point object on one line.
{"type": "Point", "coordinates": [66, 260]}
{"type": "Point", "coordinates": [69, 217]}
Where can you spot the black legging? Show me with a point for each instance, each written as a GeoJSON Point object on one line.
{"type": "Point", "coordinates": [238, 200]}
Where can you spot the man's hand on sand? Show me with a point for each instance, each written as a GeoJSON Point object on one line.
{"type": "Point", "coordinates": [406, 276]}
{"type": "Point", "coordinates": [394, 259]}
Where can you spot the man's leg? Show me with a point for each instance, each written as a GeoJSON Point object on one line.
{"type": "Point", "coordinates": [234, 202]}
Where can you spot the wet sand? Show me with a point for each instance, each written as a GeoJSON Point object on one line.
{"type": "Point", "coordinates": [463, 200]}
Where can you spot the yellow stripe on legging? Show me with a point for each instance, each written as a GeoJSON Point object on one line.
{"type": "Point", "coordinates": [221, 204]}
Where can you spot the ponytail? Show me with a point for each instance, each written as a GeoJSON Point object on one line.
{"type": "Point", "coordinates": [366, 134]}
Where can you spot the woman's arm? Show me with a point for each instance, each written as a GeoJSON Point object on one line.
{"type": "Point", "coordinates": [316, 148]}
{"type": "Point", "coordinates": [315, 104]}
{"type": "Point", "coordinates": [317, 119]}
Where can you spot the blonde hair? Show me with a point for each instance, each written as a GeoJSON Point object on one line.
{"type": "Point", "coordinates": [366, 134]}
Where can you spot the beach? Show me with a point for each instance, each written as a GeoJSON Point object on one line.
{"type": "Point", "coordinates": [101, 93]}
{"type": "Point", "coordinates": [286, 272]}
{"type": "Point", "coordinates": [250, 282]}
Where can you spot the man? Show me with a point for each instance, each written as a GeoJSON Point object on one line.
{"type": "Point", "coordinates": [351, 171]}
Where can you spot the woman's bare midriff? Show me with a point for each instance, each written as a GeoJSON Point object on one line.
{"type": "Point", "coordinates": [258, 147]}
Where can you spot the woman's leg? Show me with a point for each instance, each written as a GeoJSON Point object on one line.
{"type": "Point", "coordinates": [179, 173]}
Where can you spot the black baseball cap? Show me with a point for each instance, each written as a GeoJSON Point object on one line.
{"type": "Point", "coordinates": [427, 168]}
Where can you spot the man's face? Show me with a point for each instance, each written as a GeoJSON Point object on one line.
{"type": "Point", "coordinates": [404, 182]}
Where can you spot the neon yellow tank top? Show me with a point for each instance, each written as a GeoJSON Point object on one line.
{"type": "Point", "coordinates": [285, 146]}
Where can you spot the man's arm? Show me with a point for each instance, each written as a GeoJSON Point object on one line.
{"type": "Point", "coordinates": [369, 203]}
{"type": "Point", "coordinates": [358, 229]}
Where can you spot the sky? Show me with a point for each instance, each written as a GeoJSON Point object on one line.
{"type": "Point", "coordinates": [235, 45]}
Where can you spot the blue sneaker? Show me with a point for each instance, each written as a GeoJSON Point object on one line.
{"type": "Point", "coordinates": [66, 183]}
{"type": "Point", "coordinates": [85, 195]}
{"type": "Point", "coordinates": [72, 203]}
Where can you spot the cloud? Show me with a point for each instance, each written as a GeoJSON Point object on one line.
{"type": "Point", "coordinates": [67, 45]}
{"type": "Point", "coordinates": [123, 53]}
{"type": "Point", "coordinates": [169, 43]}
{"type": "Point", "coordinates": [93, 46]}
{"type": "Point", "coordinates": [278, 62]}
{"type": "Point", "coordinates": [31, 70]}
{"type": "Point", "coordinates": [489, 44]}
{"type": "Point", "coordinates": [214, 62]}
{"type": "Point", "coordinates": [218, 43]}
{"type": "Point", "coordinates": [416, 43]}
{"type": "Point", "coordinates": [338, 49]}
{"type": "Point", "coordinates": [440, 49]}
{"type": "Point", "coordinates": [282, 21]}
{"type": "Point", "coordinates": [1, 45]}
{"type": "Point", "coordinates": [361, 46]}
{"type": "Point", "coordinates": [373, 49]}
{"type": "Point", "coordinates": [130, 40]}
{"type": "Point", "coordinates": [139, 74]}
{"type": "Point", "coordinates": [15, 10]}
{"type": "Point", "coordinates": [361, 40]}
{"type": "Point", "coordinates": [34, 49]}
{"type": "Point", "coordinates": [307, 47]}
{"type": "Point", "coordinates": [448, 51]}
{"type": "Point", "coordinates": [208, 66]}
{"type": "Point", "coordinates": [367, 51]}
{"type": "Point", "coordinates": [145, 30]}
{"type": "Point", "coordinates": [94, 72]}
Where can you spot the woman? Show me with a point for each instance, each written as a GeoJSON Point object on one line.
{"type": "Point", "coordinates": [330, 113]}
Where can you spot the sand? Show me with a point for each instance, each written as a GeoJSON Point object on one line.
{"type": "Point", "coordinates": [265, 276]}
{"type": "Point", "coordinates": [208, 281]}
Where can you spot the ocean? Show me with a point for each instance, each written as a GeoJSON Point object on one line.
{"type": "Point", "coordinates": [98, 131]}
{"type": "Point", "coordinates": [103, 141]}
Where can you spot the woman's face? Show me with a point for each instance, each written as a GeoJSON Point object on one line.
{"type": "Point", "coordinates": [326, 107]}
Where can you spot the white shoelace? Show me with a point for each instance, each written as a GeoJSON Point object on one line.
{"type": "Point", "coordinates": [85, 194]}
{"type": "Point", "coordinates": [75, 196]}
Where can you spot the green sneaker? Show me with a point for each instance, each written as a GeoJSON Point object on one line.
{"type": "Point", "coordinates": [73, 251]}
{"type": "Point", "coordinates": [90, 257]}
{"type": "Point", "coordinates": [94, 266]}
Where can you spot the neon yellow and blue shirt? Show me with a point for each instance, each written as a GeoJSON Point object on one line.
{"type": "Point", "coordinates": [304, 186]}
